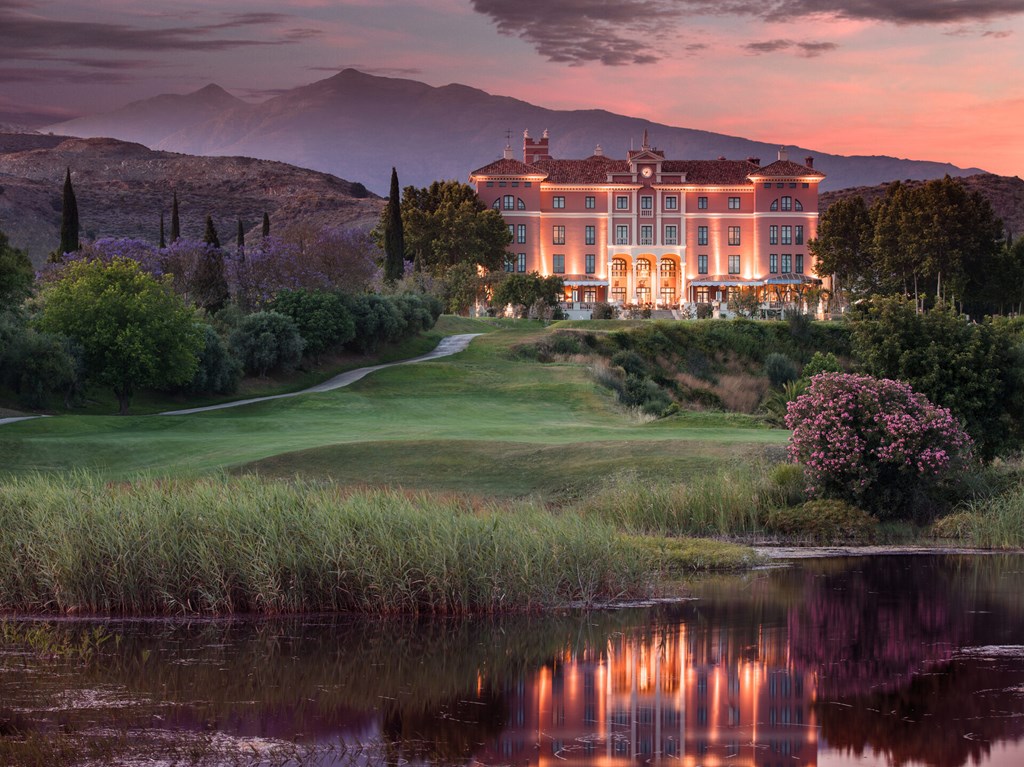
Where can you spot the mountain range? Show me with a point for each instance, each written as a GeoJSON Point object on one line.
{"type": "Point", "coordinates": [357, 126]}
{"type": "Point", "coordinates": [123, 187]}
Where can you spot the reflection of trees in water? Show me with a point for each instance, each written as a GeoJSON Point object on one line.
{"type": "Point", "coordinates": [875, 626]}
{"type": "Point", "coordinates": [946, 718]}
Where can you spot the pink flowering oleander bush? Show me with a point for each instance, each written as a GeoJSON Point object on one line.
{"type": "Point", "coordinates": [875, 443]}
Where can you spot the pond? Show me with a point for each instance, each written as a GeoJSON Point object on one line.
{"type": "Point", "coordinates": [895, 660]}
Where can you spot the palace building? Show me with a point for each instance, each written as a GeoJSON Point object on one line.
{"type": "Point", "coordinates": [651, 231]}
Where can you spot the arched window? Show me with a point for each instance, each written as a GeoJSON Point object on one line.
{"type": "Point", "coordinates": [787, 203]}
{"type": "Point", "coordinates": [797, 205]}
{"type": "Point", "coordinates": [775, 204]}
{"type": "Point", "coordinates": [520, 205]}
{"type": "Point", "coordinates": [643, 266]}
{"type": "Point", "coordinates": [508, 202]}
{"type": "Point", "coordinates": [618, 267]}
{"type": "Point", "coordinates": [497, 204]}
{"type": "Point", "coordinates": [668, 267]}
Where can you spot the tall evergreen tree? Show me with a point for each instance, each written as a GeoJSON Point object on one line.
{"type": "Point", "coordinates": [266, 224]}
{"type": "Point", "coordinates": [163, 241]}
{"type": "Point", "coordinates": [241, 238]}
{"type": "Point", "coordinates": [394, 241]}
{"type": "Point", "coordinates": [68, 219]}
{"type": "Point", "coordinates": [210, 236]}
{"type": "Point", "coordinates": [175, 222]}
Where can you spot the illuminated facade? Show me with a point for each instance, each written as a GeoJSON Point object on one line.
{"type": "Point", "coordinates": [653, 231]}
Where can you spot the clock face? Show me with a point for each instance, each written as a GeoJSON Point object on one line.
{"type": "Point", "coordinates": [646, 172]}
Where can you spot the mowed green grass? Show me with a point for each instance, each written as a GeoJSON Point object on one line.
{"type": "Point", "coordinates": [481, 421]}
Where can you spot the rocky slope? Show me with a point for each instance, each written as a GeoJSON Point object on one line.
{"type": "Point", "coordinates": [123, 187]}
{"type": "Point", "coordinates": [358, 126]}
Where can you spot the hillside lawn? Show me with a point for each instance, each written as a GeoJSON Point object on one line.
{"type": "Point", "coordinates": [479, 422]}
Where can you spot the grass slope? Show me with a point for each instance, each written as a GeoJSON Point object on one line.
{"type": "Point", "coordinates": [549, 427]}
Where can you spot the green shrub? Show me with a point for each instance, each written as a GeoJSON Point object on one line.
{"type": "Point", "coordinates": [780, 369]}
{"type": "Point", "coordinates": [604, 311]}
{"type": "Point", "coordinates": [219, 370]}
{"type": "Point", "coordinates": [824, 521]}
{"type": "Point", "coordinates": [630, 361]}
{"type": "Point", "coordinates": [821, 362]}
{"type": "Point", "coordinates": [322, 318]}
{"type": "Point", "coordinates": [266, 341]}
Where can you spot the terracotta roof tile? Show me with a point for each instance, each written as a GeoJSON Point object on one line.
{"type": "Point", "coordinates": [506, 167]}
{"type": "Point", "coordinates": [788, 169]}
{"type": "Point", "coordinates": [711, 171]}
{"type": "Point", "coordinates": [593, 170]}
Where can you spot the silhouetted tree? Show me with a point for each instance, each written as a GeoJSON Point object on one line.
{"type": "Point", "coordinates": [394, 243]}
{"type": "Point", "coordinates": [266, 224]}
{"type": "Point", "coordinates": [210, 236]}
{"type": "Point", "coordinates": [241, 238]}
{"type": "Point", "coordinates": [68, 219]}
{"type": "Point", "coordinates": [163, 242]}
{"type": "Point", "coordinates": [175, 221]}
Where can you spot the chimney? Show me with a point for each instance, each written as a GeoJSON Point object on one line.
{"type": "Point", "coordinates": [598, 151]}
{"type": "Point", "coordinates": [508, 152]}
{"type": "Point", "coordinates": [783, 154]}
{"type": "Point", "coordinates": [809, 161]}
{"type": "Point", "coordinates": [754, 160]}
{"type": "Point", "coordinates": [535, 150]}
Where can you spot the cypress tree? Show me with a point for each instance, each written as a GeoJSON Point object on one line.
{"type": "Point", "coordinates": [394, 241]}
{"type": "Point", "coordinates": [68, 219]}
{"type": "Point", "coordinates": [210, 237]}
{"type": "Point", "coordinates": [266, 224]}
{"type": "Point", "coordinates": [163, 241]}
{"type": "Point", "coordinates": [241, 238]}
{"type": "Point", "coordinates": [175, 223]}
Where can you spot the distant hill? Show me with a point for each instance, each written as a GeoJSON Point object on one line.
{"type": "Point", "coordinates": [358, 126]}
{"type": "Point", "coordinates": [123, 187]}
{"type": "Point", "coordinates": [1004, 193]}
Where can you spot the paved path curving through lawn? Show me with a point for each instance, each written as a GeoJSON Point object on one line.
{"type": "Point", "coordinates": [449, 345]}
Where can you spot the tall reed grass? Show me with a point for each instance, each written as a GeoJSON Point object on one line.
{"type": "Point", "coordinates": [728, 502]}
{"type": "Point", "coordinates": [996, 522]}
{"type": "Point", "coordinates": [228, 545]}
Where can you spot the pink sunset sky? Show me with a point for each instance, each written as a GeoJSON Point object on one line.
{"type": "Point", "coordinates": [925, 79]}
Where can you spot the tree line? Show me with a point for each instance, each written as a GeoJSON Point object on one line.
{"type": "Point", "coordinates": [938, 242]}
{"type": "Point", "coordinates": [191, 315]}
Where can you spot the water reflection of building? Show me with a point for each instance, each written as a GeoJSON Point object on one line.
{"type": "Point", "coordinates": [697, 698]}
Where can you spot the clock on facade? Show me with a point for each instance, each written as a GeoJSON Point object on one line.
{"type": "Point", "coordinates": [646, 172]}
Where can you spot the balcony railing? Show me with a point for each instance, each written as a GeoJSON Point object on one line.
{"type": "Point", "coordinates": [622, 241]}
{"type": "Point", "coordinates": [646, 213]}
{"type": "Point", "coordinates": [671, 240]}
{"type": "Point", "coordinates": [646, 240]}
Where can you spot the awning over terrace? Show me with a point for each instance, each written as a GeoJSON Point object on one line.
{"type": "Point", "coordinates": [582, 279]}
{"type": "Point", "coordinates": [732, 280]}
{"type": "Point", "coordinates": [728, 280]}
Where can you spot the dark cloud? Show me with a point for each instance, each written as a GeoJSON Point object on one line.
{"type": "Point", "coordinates": [810, 50]}
{"type": "Point", "coordinates": [51, 75]}
{"type": "Point", "coordinates": [807, 50]}
{"type": "Point", "coordinates": [379, 71]}
{"type": "Point", "coordinates": [769, 46]}
{"type": "Point", "coordinates": [997, 34]}
{"type": "Point", "coordinates": [22, 35]}
{"type": "Point", "coordinates": [617, 32]}
{"type": "Point", "coordinates": [891, 11]}
{"type": "Point", "coordinates": [579, 31]}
